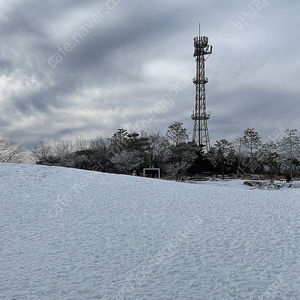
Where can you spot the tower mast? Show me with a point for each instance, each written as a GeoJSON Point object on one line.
{"type": "Point", "coordinates": [199, 116]}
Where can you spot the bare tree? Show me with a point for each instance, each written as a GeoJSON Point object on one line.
{"type": "Point", "coordinates": [81, 144]}
{"type": "Point", "coordinates": [222, 155]}
{"type": "Point", "coordinates": [126, 161]}
{"type": "Point", "coordinates": [158, 150]}
{"type": "Point", "coordinates": [40, 152]}
{"type": "Point", "coordinates": [63, 148]}
{"type": "Point", "coordinates": [177, 169]}
{"type": "Point", "coordinates": [64, 153]}
{"type": "Point", "coordinates": [11, 152]}
{"type": "Point", "coordinates": [100, 154]}
{"type": "Point", "coordinates": [61, 154]}
{"type": "Point", "coordinates": [240, 151]}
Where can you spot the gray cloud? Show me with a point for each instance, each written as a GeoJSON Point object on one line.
{"type": "Point", "coordinates": [118, 73]}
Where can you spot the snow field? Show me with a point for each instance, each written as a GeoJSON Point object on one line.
{"type": "Point", "coordinates": [72, 234]}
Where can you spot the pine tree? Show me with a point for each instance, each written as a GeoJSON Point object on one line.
{"type": "Point", "coordinates": [176, 133]}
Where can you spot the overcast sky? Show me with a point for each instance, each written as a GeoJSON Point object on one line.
{"type": "Point", "coordinates": [86, 68]}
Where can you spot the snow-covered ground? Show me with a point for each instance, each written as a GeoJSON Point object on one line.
{"type": "Point", "coordinates": [68, 234]}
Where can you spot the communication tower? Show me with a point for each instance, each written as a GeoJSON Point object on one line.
{"type": "Point", "coordinates": [199, 116]}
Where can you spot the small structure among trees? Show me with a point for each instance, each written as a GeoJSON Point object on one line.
{"type": "Point", "coordinates": [151, 172]}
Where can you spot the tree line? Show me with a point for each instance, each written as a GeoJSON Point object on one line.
{"type": "Point", "coordinates": [126, 152]}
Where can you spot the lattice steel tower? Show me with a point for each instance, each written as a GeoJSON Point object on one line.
{"type": "Point", "coordinates": [200, 117]}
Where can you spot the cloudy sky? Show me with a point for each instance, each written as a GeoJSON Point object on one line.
{"type": "Point", "coordinates": [88, 67]}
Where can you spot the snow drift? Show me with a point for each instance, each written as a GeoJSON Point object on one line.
{"type": "Point", "coordinates": [71, 234]}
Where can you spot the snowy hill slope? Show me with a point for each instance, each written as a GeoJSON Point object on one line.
{"type": "Point", "coordinates": [71, 234]}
